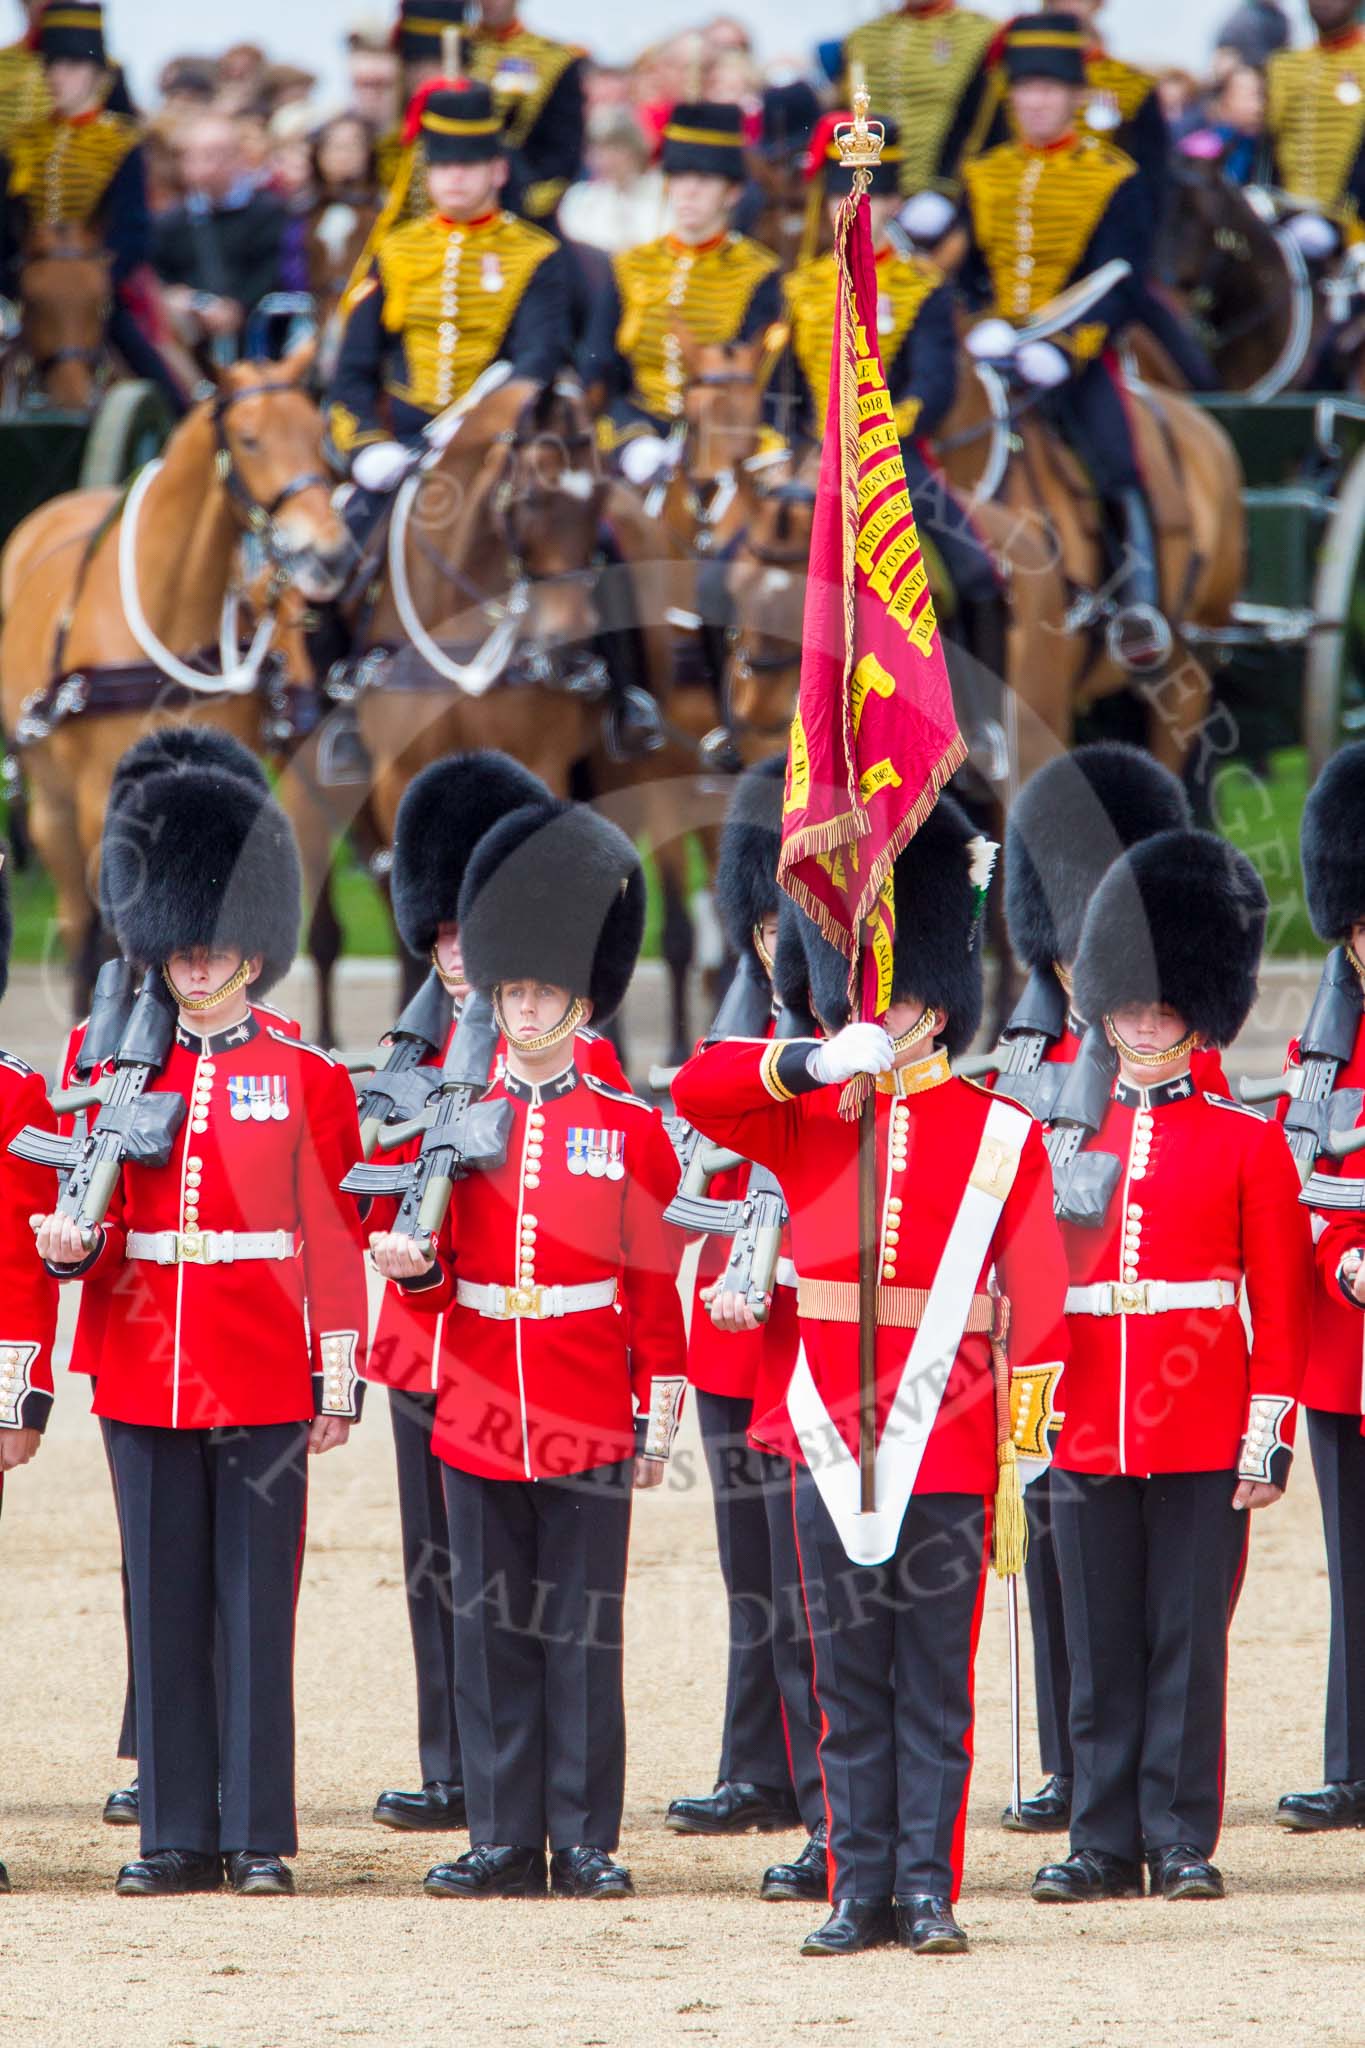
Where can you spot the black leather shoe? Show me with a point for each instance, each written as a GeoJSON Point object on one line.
{"type": "Point", "coordinates": [168, 1872]}
{"type": "Point", "coordinates": [1047, 1813]}
{"type": "Point", "coordinates": [1338, 1805]}
{"type": "Point", "coordinates": [586, 1873]}
{"type": "Point", "coordinates": [490, 1870]}
{"type": "Point", "coordinates": [4, 1879]}
{"type": "Point", "coordinates": [1087, 1875]}
{"type": "Point", "coordinates": [853, 1925]}
{"type": "Point", "coordinates": [925, 1924]}
{"type": "Point", "coordinates": [253, 1873]}
{"type": "Point", "coordinates": [732, 1809]}
{"type": "Point", "coordinates": [1182, 1873]}
{"type": "Point", "coordinates": [436, 1809]}
{"type": "Point", "coordinates": [121, 1808]}
{"type": "Point", "coordinates": [806, 1877]}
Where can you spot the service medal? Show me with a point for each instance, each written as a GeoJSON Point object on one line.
{"type": "Point", "coordinates": [576, 1149]}
{"type": "Point", "coordinates": [616, 1156]}
{"type": "Point", "coordinates": [260, 1099]}
{"type": "Point", "coordinates": [239, 1098]}
{"type": "Point", "coordinates": [597, 1154]}
{"type": "Point", "coordinates": [279, 1098]}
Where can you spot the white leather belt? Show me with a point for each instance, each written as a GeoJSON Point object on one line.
{"type": "Point", "coordinates": [1148, 1297]}
{"type": "Point", "coordinates": [505, 1303]}
{"type": "Point", "coordinates": [208, 1247]}
{"type": "Point", "coordinates": [786, 1274]}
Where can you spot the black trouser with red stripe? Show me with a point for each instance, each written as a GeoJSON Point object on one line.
{"type": "Point", "coordinates": [1151, 1570]}
{"type": "Point", "coordinates": [769, 1732]}
{"type": "Point", "coordinates": [894, 1646]}
{"type": "Point", "coordinates": [213, 1523]}
{"type": "Point", "coordinates": [540, 1581]}
{"type": "Point", "coordinates": [427, 1577]}
{"type": "Point", "coordinates": [127, 1735]}
{"type": "Point", "coordinates": [1047, 1620]}
{"type": "Point", "coordinates": [1339, 1467]}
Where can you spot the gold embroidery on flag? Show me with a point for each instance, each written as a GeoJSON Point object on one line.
{"type": "Point", "coordinates": [869, 676]}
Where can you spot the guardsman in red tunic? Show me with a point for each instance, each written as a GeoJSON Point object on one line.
{"type": "Point", "coordinates": [562, 1366]}
{"type": "Point", "coordinates": [444, 812]}
{"type": "Point", "coordinates": [1068, 823]}
{"type": "Point", "coordinates": [166, 747]}
{"type": "Point", "coordinates": [769, 1773]}
{"type": "Point", "coordinates": [234, 1333]}
{"type": "Point", "coordinates": [28, 1319]}
{"type": "Point", "coordinates": [1176, 1425]}
{"type": "Point", "coordinates": [964, 1207]}
{"type": "Point", "coordinates": [1333, 1396]}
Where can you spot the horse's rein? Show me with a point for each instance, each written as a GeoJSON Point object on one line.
{"type": "Point", "coordinates": [258, 518]}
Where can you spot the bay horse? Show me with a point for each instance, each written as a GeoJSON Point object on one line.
{"type": "Point", "coordinates": [1055, 552]}
{"type": "Point", "coordinates": [1253, 300]}
{"type": "Point", "coordinates": [77, 686]}
{"type": "Point", "coordinates": [65, 299]}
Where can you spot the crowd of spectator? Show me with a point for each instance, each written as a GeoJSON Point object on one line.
{"type": "Point", "coordinates": [244, 157]}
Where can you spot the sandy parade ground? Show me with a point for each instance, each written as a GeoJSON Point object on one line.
{"type": "Point", "coordinates": [362, 1955]}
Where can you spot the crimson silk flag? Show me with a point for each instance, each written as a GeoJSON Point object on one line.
{"type": "Point", "coordinates": [875, 737]}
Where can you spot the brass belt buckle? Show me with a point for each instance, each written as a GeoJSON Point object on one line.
{"type": "Point", "coordinates": [190, 1246]}
{"type": "Point", "coordinates": [524, 1301]}
{"type": "Point", "coordinates": [1130, 1298]}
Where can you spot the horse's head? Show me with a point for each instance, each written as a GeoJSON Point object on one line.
{"type": "Point", "coordinates": [65, 298]}
{"type": "Point", "coordinates": [722, 404]}
{"type": "Point", "coordinates": [549, 506]}
{"type": "Point", "coordinates": [270, 464]}
{"type": "Point", "coordinates": [767, 585]}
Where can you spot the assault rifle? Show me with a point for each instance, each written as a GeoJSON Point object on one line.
{"type": "Point", "coordinates": [399, 1089]}
{"type": "Point", "coordinates": [744, 1012]}
{"type": "Point", "coordinates": [460, 1133]}
{"type": "Point", "coordinates": [130, 1124]}
{"type": "Point", "coordinates": [1319, 1112]}
{"type": "Point", "coordinates": [1083, 1183]}
{"type": "Point", "coordinates": [1038, 1020]}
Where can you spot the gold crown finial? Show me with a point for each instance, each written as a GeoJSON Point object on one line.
{"type": "Point", "coordinates": [860, 141]}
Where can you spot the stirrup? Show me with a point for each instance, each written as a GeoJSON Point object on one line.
{"type": "Point", "coordinates": [1138, 638]}
{"type": "Point", "coordinates": [633, 726]}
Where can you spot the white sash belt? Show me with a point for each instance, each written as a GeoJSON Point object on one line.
{"type": "Point", "coordinates": [1148, 1297]}
{"type": "Point", "coordinates": [871, 1539]}
{"type": "Point", "coordinates": [208, 1247]}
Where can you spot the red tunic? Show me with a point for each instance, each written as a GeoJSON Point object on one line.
{"type": "Point", "coordinates": [194, 1345]}
{"type": "Point", "coordinates": [28, 1293]}
{"type": "Point", "coordinates": [1335, 1378]}
{"type": "Point", "coordinates": [87, 1339]}
{"type": "Point", "coordinates": [927, 1143]}
{"type": "Point", "coordinates": [406, 1342]}
{"type": "Point", "coordinates": [537, 1397]}
{"type": "Point", "coordinates": [1209, 1192]}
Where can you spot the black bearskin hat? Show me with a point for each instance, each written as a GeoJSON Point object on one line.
{"type": "Point", "coordinates": [746, 867]}
{"type": "Point", "coordinates": [169, 749]}
{"type": "Point", "coordinates": [444, 814]}
{"type": "Point", "coordinates": [1068, 824]}
{"type": "Point", "coordinates": [938, 932]}
{"type": "Point", "coordinates": [557, 892]}
{"type": "Point", "coordinates": [1332, 843]}
{"type": "Point", "coordinates": [214, 863]}
{"type": "Point", "coordinates": [1179, 919]}
{"type": "Point", "coordinates": [791, 975]}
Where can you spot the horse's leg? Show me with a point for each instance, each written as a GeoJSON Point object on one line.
{"type": "Point", "coordinates": [54, 823]}
{"type": "Point", "coordinates": [1179, 732]}
{"type": "Point", "coordinates": [677, 942]}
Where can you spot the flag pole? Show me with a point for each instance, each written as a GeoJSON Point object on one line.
{"type": "Point", "coordinates": [860, 147]}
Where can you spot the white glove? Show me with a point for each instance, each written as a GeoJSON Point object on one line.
{"type": "Point", "coordinates": [857, 1049]}
{"type": "Point", "coordinates": [1042, 363]}
{"type": "Point", "coordinates": [1314, 236]}
{"type": "Point", "coordinates": [926, 216]}
{"type": "Point", "coordinates": [380, 465]}
{"type": "Point", "coordinates": [643, 459]}
{"type": "Point", "coordinates": [990, 341]}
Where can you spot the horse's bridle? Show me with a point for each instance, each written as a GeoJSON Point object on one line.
{"type": "Point", "coordinates": [257, 517]}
